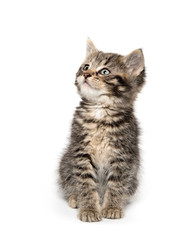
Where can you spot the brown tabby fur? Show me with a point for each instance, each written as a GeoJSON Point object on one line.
{"type": "Point", "coordinates": [98, 172]}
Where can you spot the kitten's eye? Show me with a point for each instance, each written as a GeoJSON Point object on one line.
{"type": "Point", "coordinates": [86, 67]}
{"type": "Point", "coordinates": [104, 71]}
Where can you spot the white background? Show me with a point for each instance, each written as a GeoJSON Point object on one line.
{"type": "Point", "coordinates": [42, 44]}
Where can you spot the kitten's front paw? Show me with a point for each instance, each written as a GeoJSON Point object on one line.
{"type": "Point", "coordinates": [112, 213]}
{"type": "Point", "coordinates": [89, 215]}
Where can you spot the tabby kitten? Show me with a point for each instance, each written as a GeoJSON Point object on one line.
{"type": "Point", "coordinates": [98, 171]}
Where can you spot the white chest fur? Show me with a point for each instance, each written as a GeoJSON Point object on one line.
{"type": "Point", "coordinates": [99, 113]}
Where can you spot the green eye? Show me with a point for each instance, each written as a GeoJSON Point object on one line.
{"type": "Point", "coordinates": [104, 71]}
{"type": "Point", "coordinates": [86, 67]}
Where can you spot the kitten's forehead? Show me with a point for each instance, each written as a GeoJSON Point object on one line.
{"type": "Point", "coordinates": [103, 59]}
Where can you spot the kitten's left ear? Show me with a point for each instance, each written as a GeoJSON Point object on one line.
{"type": "Point", "coordinates": [134, 62]}
{"type": "Point", "coordinates": [90, 47]}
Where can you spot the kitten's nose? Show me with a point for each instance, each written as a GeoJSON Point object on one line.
{"type": "Point", "coordinates": [86, 75]}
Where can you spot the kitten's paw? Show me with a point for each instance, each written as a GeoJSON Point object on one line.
{"type": "Point", "coordinates": [112, 213]}
{"type": "Point", "coordinates": [90, 215]}
{"type": "Point", "coordinates": [73, 201]}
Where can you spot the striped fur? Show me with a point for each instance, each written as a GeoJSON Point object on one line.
{"type": "Point", "coordinates": [98, 171]}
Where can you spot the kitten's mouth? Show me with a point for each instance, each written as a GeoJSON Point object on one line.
{"type": "Point", "coordinates": [86, 83]}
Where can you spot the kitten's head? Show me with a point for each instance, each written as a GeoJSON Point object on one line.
{"type": "Point", "coordinates": [110, 78]}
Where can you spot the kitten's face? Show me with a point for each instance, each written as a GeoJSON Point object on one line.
{"type": "Point", "coordinates": [109, 78]}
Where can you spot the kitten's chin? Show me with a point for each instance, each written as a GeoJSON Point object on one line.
{"type": "Point", "coordinates": [88, 92]}
{"type": "Point", "coordinates": [98, 96]}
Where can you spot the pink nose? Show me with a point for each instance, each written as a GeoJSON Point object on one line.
{"type": "Point", "coordinates": [86, 75]}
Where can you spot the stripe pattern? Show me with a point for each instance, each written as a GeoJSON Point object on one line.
{"type": "Point", "coordinates": [99, 169]}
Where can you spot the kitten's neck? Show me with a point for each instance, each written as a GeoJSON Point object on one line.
{"type": "Point", "coordinates": [100, 112]}
{"type": "Point", "coordinates": [112, 107]}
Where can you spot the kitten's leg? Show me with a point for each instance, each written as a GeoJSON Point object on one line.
{"type": "Point", "coordinates": [89, 204]}
{"type": "Point", "coordinates": [88, 198]}
{"type": "Point", "coordinates": [121, 185]}
{"type": "Point", "coordinates": [113, 203]}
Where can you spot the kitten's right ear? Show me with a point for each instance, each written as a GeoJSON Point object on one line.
{"type": "Point", "coordinates": [134, 62]}
{"type": "Point", "coordinates": [90, 47]}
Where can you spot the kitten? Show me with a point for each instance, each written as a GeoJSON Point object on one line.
{"type": "Point", "coordinates": [98, 172]}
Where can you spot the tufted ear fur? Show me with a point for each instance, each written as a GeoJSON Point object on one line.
{"type": "Point", "coordinates": [134, 63]}
{"type": "Point", "coordinates": [90, 48]}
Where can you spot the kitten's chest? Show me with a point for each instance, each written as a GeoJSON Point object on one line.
{"type": "Point", "coordinates": [99, 145]}
{"type": "Point", "coordinates": [98, 137]}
